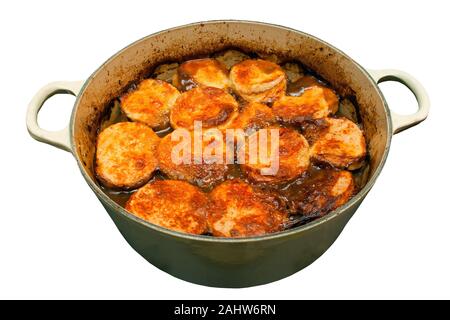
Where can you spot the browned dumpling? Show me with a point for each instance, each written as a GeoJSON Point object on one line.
{"type": "Point", "coordinates": [171, 204]}
{"type": "Point", "coordinates": [206, 173]}
{"type": "Point", "coordinates": [322, 191]}
{"type": "Point", "coordinates": [254, 116]}
{"type": "Point", "coordinates": [313, 103]}
{"type": "Point", "coordinates": [215, 108]}
{"type": "Point", "coordinates": [258, 80]}
{"type": "Point", "coordinates": [340, 143]}
{"type": "Point", "coordinates": [150, 103]}
{"type": "Point", "coordinates": [125, 156]}
{"type": "Point", "coordinates": [293, 157]}
{"type": "Point", "coordinates": [241, 210]}
{"type": "Point", "coordinates": [201, 72]}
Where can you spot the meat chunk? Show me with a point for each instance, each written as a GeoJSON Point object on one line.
{"type": "Point", "coordinates": [150, 103]}
{"type": "Point", "coordinates": [215, 108]}
{"type": "Point", "coordinates": [201, 72]}
{"type": "Point", "coordinates": [125, 155]}
{"type": "Point", "coordinates": [293, 71]}
{"type": "Point", "coordinates": [166, 72]}
{"type": "Point", "coordinates": [171, 204]}
{"type": "Point", "coordinates": [258, 80]}
{"type": "Point", "coordinates": [321, 192]}
{"type": "Point", "coordinates": [241, 210]}
{"type": "Point", "coordinates": [291, 149]}
{"type": "Point", "coordinates": [348, 110]}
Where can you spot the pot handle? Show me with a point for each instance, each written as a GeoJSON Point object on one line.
{"type": "Point", "coordinates": [402, 122]}
{"type": "Point", "coordinates": [59, 139]}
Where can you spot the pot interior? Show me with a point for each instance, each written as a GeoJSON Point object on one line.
{"type": "Point", "coordinates": [137, 60]}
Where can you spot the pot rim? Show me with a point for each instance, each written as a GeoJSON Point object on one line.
{"type": "Point", "coordinates": [202, 238]}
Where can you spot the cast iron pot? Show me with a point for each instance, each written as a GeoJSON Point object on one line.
{"type": "Point", "coordinates": [217, 261]}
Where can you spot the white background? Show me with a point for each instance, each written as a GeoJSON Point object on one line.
{"type": "Point", "coordinates": [56, 240]}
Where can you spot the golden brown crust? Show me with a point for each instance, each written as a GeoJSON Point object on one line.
{"type": "Point", "coordinates": [323, 191]}
{"type": "Point", "coordinates": [172, 204]}
{"type": "Point", "coordinates": [253, 116]}
{"type": "Point", "coordinates": [205, 174]}
{"type": "Point", "coordinates": [214, 107]}
{"type": "Point", "coordinates": [258, 80]}
{"type": "Point", "coordinates": [240, 210]}
{"type": "Point", "coordinates": [202, 72]}
{"type": "Point", "coordinates": [313, 103]}
{"type": "Point", "coordinates": [293, 154]}
{"type": "Point", "coordinates": [304, 83]}
{"type": "Point", "coordinates": [150, 103]}
{"type": "Point", "coordinates": [340, 143]}
{"type": "Point", "coordinates": [125, 155]}
{"type": "Point", "coordinates": [268, 96]}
